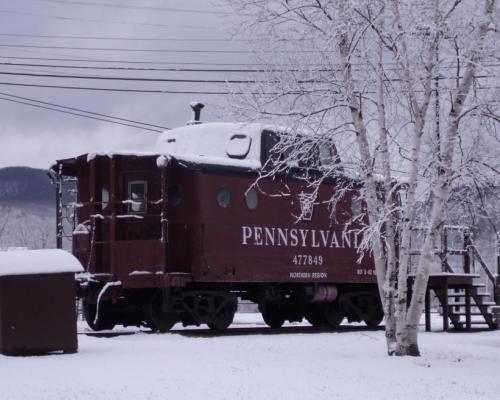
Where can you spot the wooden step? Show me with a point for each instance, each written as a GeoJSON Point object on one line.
{"type": "Point", "coordinates": [462, 294]}
{"type": "Point", "coordinates": [461, 304]}
{"type": "Point", "coordinates": [464, 313]}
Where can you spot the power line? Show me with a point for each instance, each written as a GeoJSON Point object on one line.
{"type": "Point", "coordinates": [64, 18]}
{"type": "Point", "coordinates": [145, 39]}
{"type": "Point", "coordinates": [161, 91]}
{"type": "Point", "coordinates": [236, 70]}
{"type": "Point", "coordinates": [192, 80]}
{"type": "Point", "coordinates": [118, 89]}
{"type": "Point", "coordinates": [117, 78]}
{"type": "Point", "coordinates": [203, 51]}
{"type": "Point", "coordinates": [148, 62]}
{"type": "Point", "coordinates": [83, 111]}
{"type": "Point", "coordinates": [116, 5]}
{"type": "Point", "coordinates": [79, 115]}
{"type": "Point", "coordinates": [274, 67]}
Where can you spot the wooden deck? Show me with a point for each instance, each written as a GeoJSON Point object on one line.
{"type": "Point", "coordinates": [464, 297]}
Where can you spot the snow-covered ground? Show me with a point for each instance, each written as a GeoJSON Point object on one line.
{"type": "Point", "coordinates": [258, 364]}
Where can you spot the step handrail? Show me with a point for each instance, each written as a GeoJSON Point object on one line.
{"type": "Point", "coordinates": [491, 276]}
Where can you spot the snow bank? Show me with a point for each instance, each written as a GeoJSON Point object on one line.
{"type": "Point", "coordinates": [350, 364]}
{"type": "Point", "coordinates": [27, 262]}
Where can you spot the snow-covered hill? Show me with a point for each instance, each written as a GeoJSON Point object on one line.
{"type": "Point", "coordinates": [27, 212]}
{"type": "Point", "coordinates": [25, 186]}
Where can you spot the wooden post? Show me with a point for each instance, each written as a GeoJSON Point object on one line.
{"type": "Point", "coordinates": [164, 219]}
{"type": "Point", "coordinates": [59, 219]}
{"type": "Point", "coordinates": [112, 212]}
{"type": "Point", "coordinates": [467, 309]}
{"type": "Point", "coordinates": [427, 309]}
{"type": "Point", "coordinates": [94, 264]}
{"type": "Point", "coordinates": [467, 251]}
{"type": "Point", "coordinates": [496, 288]}
{"type": "Point", "coordinates": [445, 307]}
{"type": "Point", "coordinates": [498, 253]}
{"type": "Point", "coordinates": [444, 250]}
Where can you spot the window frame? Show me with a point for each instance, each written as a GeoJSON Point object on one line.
{"type": "Point", "coordinates": [144, 200]}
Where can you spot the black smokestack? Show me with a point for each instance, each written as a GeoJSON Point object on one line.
{"type": "Point", "coordinates": [196, 107]}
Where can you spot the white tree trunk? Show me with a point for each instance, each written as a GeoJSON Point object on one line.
{"type": "Point", "coordinates": [440, 195]}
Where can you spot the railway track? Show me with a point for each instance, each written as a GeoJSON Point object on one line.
{"type": "Point", "coordinates": [236, 331]}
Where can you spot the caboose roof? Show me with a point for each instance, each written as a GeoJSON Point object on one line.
{"type": "Point", "coordinates": [217, 143]}
{"type": "Point", "coordinates": [211, 143]}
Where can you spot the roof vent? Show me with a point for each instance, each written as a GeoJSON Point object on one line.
{"type": "Point", "coordinates": [196, 107]}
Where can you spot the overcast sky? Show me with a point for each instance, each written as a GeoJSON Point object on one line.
{"type": "Point", "coordinates": [64, 30]}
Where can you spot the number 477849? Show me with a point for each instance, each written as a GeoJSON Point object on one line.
{"type": "Point", "coordinates": [307, 259]}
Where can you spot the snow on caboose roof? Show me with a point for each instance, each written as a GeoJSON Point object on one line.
{"type": "Point", "coordinates": [221, 143]}
{"type": "Point", "coordinates": [34, 262]}
{"type": "Point", "coordinates": [111, 154]}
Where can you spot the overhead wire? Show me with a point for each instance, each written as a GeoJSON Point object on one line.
{"type": "Point", "coordinates": [176, 69]}
{"type": "Point", "coordinates": [64, 18]}
{"type": "Point", "coordinates": [202, 51]}
{"type": "Point", "coordinates": [141, 79]}
{"type": "Point", "coordinates": [79, 115]}
{"type": "Point", "coordinates": [117, 38]}
{"type": "Point", "coordinates": [159, 91]}
{"type": "Point", "coordinates": [268, 68]}
{"type": "Point", "coordinates": [134, 7]}
{"type": "Point", "coordinates": [132, 61]}
{"type": "Point", "coordinates": [81, 110]}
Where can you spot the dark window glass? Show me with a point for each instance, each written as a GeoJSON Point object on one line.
{"type": "Point", "coordinates": [356, 207]}
{"type": "Point", "coordinates": [223, 197]}
{"type": "Point", "coordinates": [137, 197]}
{"type": "Point", "coordinates": [333, 214]}
{"type": "Point", "coordinates": [174, 195]}
{"type": "Point", "coordinates": [269, 140]}
{"type": "Point", "coordinates": [251, 199]}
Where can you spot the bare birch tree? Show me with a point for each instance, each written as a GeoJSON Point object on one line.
{"type": "Point", "coordinates": [364, 72]}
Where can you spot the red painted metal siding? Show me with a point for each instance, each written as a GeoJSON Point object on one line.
{"type": "Point", "coordinates": [269, 244]}
{"type": "Point", "coordinates": [233, 244]}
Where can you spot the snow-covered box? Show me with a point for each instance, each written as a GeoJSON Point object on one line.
{"type": "Point", "coordinates": [37, 302]}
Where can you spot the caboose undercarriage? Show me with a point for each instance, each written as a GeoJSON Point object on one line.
{"type": "Point", "coordinates": [215, 305]}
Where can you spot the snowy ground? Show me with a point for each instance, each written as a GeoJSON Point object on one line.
{"type": "Point", "coordinates": [254, 363]}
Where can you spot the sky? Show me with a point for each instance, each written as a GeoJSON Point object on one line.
{"type": "Point", "coordinates": [47, 37]}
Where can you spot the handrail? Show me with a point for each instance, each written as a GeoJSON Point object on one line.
{"type": "Point", "coordinates": [74, 204]}
{"type": "Point", "coordinates": [490, 274]}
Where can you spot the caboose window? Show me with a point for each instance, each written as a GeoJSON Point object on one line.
{"type": "Point", "coordinates": [223, 197]}
{"type": "Point", "coordinates": [238, 146]}
{"type": "Point", "coordinates": [356, 207]}
{"type": "Point", "coordinates": [174, 196]}
{"type": "Point", "coordinates": [333, 214]}
{"type": "Point", "coordinates": [137, 196]}
{"type": "Point", "coordinates": [251, 199]}
{"type": "Point", "coordinates": [325, 155]}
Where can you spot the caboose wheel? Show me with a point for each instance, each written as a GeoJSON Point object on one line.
{"type": "Point", "coordinates": [314, 315]}
{"type": "Point", "coordinates": [375, 318]}
{"type": "Point", "coordinates": [333, 314]}
{"type": "Point", "coordinates": [272, 315]}
{"type": "Point", "coordinates": [161, 321]}
{"type": "Point", "coordinates": [104, 323]}
{"type": "Point", "coordinates": [222, 319]}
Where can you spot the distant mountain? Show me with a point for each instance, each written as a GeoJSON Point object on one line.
{"type": "Point", "coordinates": [23, 186]}
{"type": "Point", "coordinates": [27, 208]}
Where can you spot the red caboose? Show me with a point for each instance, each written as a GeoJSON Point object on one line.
{"type": "Point", "coordinates": [178, 235]}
